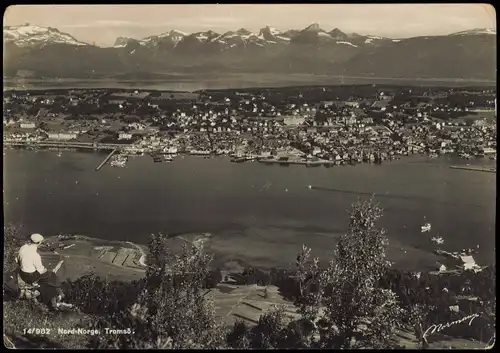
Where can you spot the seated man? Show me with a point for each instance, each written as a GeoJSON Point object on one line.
{"type": "Point", "coordinates": [31, 269]}
{"type": "Point", "coordinates": [33, 272]}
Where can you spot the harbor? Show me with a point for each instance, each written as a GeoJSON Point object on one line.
{"type": "Point", "coordinates": [177, 197]}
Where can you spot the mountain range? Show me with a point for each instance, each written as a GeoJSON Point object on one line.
{"type": "Point", "coordinates": [47, 52]}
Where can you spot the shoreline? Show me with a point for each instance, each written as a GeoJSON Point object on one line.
{"type": "Point", "coordinates": [224, 263]}
{"type": "Point", "coordinates": [101, 148]}
{"type": "Point", "coordinates": [142, 259]}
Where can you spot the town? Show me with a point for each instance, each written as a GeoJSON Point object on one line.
{"type": "Point", "coordinates": [292, 125]}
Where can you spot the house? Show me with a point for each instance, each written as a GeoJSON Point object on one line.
{"type": "Point", "coordinates": [293, 120]}
{"type": "Point", "coordinates": [28, 125]}
{"type": "Point", "coordinates": [480, 122]}
{"type": "Point", "coordinates": [62, 136]}
{"type": "Point", "coordinates": [352, 104]}
{"type": "Point", "coordinates": [350, 120]}
{"type": "Point", "coordinates": [171, 150]}
{"type": "Point", "coordinates": [124, 136]}
{"type": "Point", "coordinates": [468, 263]}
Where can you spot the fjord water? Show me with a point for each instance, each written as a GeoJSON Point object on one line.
{"type": "Point", "coordinates": [256, 213]}
{"type": "Point", "coordinates": [223, 80]}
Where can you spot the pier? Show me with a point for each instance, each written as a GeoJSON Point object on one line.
{"type": "Point", "coordinates": [474, 169]}
{"type": "Point", "coordinates": [106, 159]}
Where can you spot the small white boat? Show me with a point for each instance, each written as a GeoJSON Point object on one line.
{"type": "Point", "coordinates": [59, 154]}
{"type": "Point", "coordinates": [437, 240]}
{"type": "Point", "coordinates": [426, 227]}
{"type": "Point", "coordinates": [310, 186]}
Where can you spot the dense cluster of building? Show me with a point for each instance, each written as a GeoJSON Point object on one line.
{"type": "Point", "coordinates": [339, 124]}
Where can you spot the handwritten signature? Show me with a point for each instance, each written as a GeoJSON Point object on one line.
{"type": "Point", "coordinates": [440, 327]}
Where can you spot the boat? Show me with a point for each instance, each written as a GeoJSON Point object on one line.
{"type": "Point", "coordinates": [426, 227]}
{"type": "Point", "coordinates": [119, 160]}
{"type": "Point", "coordinates": [437, 240]}
{"type": "Point", "coordinates": [59, 154]}
{"type": "Point", "coordinates": [157, 158]}
{"type": "Point", "coordinates": [310, 164]}
{"type": "Point", "coordinates": [433, 155]}
{"type": "Point", "coordinates": [238, 159]}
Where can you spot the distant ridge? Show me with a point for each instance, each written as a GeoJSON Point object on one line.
{"type": "Point", "coordinates": [48, 52]}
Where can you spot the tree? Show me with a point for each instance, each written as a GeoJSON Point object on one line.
{"type": "Point", "coordinates": [418, 317]}
{"type": "Point", "coordinates": [344, 304]}
{"type": "Point", "coordinates": [173, 310]}
{"type": "Point", "coordinates": [274, 330]}
{"type": "Point", "coordinates": [12, 236]}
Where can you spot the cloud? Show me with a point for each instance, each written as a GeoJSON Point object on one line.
{"type": "Point", "coordinates": [202, 21]}
{"type": "Point", "coordinates": [111, 24]}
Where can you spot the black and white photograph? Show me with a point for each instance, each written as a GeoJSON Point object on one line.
{"type": "Point", "coordinates": [249, 176]}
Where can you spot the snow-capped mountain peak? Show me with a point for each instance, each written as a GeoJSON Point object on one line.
{"type": "Point", "coordinates": [31, 35]}
{"type": "Point", "coordinates": [476, 31]}
{"type": "Point", "coordinates": [338, 34]}
{"type": "Point", "coordinates": [204, 37]}
{"type": "Point", "coordinates": [313, 28]}
{"type": "Point", "coordinates": [243, 32]}
{"type": "Point", "coordinates": [273, 31]}
{"type": "Point", "coordinates": [272, 35]}
{"type": "Point", "coordinates": [176, 32]}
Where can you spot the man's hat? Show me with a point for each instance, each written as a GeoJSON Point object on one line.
{"type": "Point", "coordinates": [36, 238]}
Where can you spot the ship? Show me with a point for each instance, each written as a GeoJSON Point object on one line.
{"type": "Point", "coordinates": [426, 227]}
{"type": "Point", "coordinates": [244, 158]}
{"type": "Point", "coordinates": [238, 159]}
{"type": "Point", "coordinates": [119, 160]}
{"type": "Point", "coordinates": [159, 158]}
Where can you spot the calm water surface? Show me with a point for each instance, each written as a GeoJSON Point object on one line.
{"type": "Point", "coordinates": [223, 80]}
{"type": "Point", "coordinates": [257, 213]}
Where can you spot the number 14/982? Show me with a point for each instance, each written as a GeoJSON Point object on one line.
{"type": "Point", "coordinates": [36, 331]}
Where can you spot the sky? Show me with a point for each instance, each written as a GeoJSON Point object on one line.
{"type": "Point", "coordinates": [102, 24]}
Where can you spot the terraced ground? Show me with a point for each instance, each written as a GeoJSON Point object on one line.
{"type": "Point", "coordinates": [112, 260]}
{"type": "Point", "coordinates": [247, 303]}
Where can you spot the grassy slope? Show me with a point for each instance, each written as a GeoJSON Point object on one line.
{"type": "Point", "coordinates": [232, 303]}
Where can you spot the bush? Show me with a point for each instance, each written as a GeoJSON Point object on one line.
{"type": "Point", "coordinates": [20, 316]}
{"type": "Point", "coordinates": [172, 309]}
{"type": "Point", "coordinates": [13, 240]}
{"type": "Point", "coordinates": [93, 295]}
